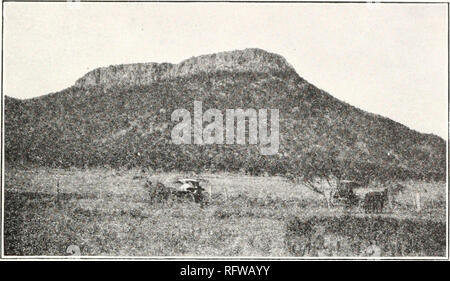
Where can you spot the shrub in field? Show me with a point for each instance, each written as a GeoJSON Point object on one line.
{"type": "Point", "coordinates": [353, 236]}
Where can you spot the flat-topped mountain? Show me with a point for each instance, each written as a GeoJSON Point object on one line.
{"type": "Point", "coordinates": [121, 116]}
{"type": "Point", "coordinates": [140, 74]}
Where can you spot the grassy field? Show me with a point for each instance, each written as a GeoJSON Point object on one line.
{"type": "Point", "coordinates": [108, 213]}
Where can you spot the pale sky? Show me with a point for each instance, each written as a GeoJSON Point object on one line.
{"type": "Point", "coordinates": [388, 59]}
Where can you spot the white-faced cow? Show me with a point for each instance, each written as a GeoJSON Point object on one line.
{"type": "Point", "coordinates": [191, 186]}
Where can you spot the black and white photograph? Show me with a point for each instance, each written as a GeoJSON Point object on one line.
{"type": "Point", "coordinates": [148, 130]}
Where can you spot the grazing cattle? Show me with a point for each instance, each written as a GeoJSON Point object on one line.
{"type": "Point", "coordinates": [345, 193]}
{"type": "Point", "coordinates": [374, 201]}
{"type": "Point", "coordinates": [191, 186]}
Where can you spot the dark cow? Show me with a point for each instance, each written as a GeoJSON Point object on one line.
{"type": "Point", "coordinates": [374, 201]}
{"type": "Point", "coordinates": [345, 193]}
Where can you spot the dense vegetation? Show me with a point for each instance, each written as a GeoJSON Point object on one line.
{"type": "Point", "coordinates": [130, 126]}
{"type": "Point", "coordinates": [350, 236]}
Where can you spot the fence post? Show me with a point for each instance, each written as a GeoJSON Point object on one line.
{"type": "Point", "coordinates": [226, 193]}
{"type": "Point", "coordinates": [209, 190]}
{"type": "Point", "coordinates": [418, 202]}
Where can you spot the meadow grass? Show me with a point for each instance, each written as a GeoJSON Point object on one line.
{"type": "Point", "coordinates": [108, 213]}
